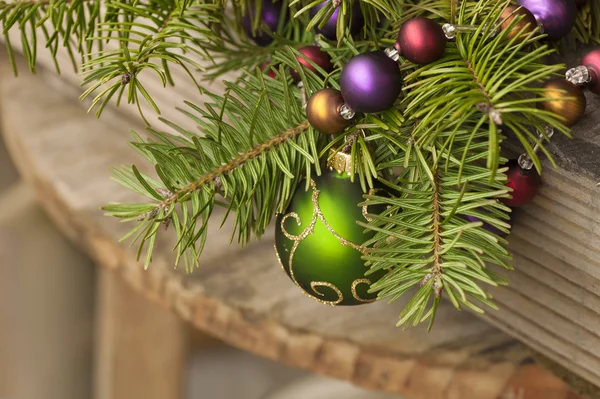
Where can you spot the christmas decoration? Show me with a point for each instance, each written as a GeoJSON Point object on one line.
{"type": "Point", "coordinates": [318, 241]}
{"type": "Point", "coordinates": [313, 53]}
{"type": "Point", "coordinates": [523, 182]}
{"type": "Point", "coordinates": [421, 41]}
{"type": "Point", "coordinates": [589, 72]}
{"type": "Point", "coordinates": [269, 15]}
{"type": "Point", "coordinates": [266, 66]}
{"type": "Point", "coordinates": [564, 99]}
{"type": "Point", "coordinates": [329, 29]}
{"type": "Point", "coordinates": [371, 82]}
{"type": "Point", "coordinates": [557, 17]}
{"type": "Point", "coordinates": [325, 111]}
{"type": "Point", "coordinates": [523, 27]}
{"type": "Point", "coordinates": [439, 145]}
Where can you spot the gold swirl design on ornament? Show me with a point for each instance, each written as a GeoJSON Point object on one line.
{"type": "Point", "coordinates": [317, 214]}
{"type": "Point", "coordinates": [355, 294]}
{"type": "Point", "coordinates": [315, 284]}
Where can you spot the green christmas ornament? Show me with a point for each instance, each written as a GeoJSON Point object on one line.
{"type": "Point", "coordinates": [318, 241]}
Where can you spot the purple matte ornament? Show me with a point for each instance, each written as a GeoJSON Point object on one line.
{"type": "Point", "coordinates": [329, 29]}
{"type": "Point", "coordinates": [592, 61]}
{"type": "Point", "coordinates": [371, 82]}
{"type": "Point", "coordinates": [556, 16]}
{"type": "Point", "coordinates": [488, 226]}
{"type": "Point", "coordinates": [270, 14]}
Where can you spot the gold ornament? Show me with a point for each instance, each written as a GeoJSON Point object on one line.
{"type": "Point", "coordinates": [565, 100]}
{"type": "Point", "coordinates": [522, 28]}
{"type": "Point", "coordinates": [323, 111]}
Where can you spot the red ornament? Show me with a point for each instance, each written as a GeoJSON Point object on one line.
{"type": "Point", "coordinates": [524, 183]}
{"type": "Point", "coordinates": [317, 56]}
{"type": "Point", "coordinates": [592, 61]}
{"type": "Point", "coordinates": [266, 66]}
{"type": "Point", "coordinates": [421, 41]}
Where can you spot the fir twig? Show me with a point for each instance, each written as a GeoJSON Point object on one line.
{"type": "Point", "coordinates": [235, 163]}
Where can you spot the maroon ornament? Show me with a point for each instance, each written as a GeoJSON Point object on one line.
{"type": "Point", "coordinates": [592, 61]}
{"type": "Point", "coordinates": [266, 66]}
{"type": "Point", "coordinates": [421, 41]}
{"type": "Point", "coordinates": [580, 2]}
{"type": "Point", "coordinates": [317, 56]}
{"type": "Point", "coordinates": [524, 183]}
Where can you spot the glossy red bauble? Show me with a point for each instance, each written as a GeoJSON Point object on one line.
{"type": "Point", "coordinates": [317, 56]}
{"type": "Point", "coordinates": [421, 41]}
{"type": "Point", "coordinates": [525, 184]}
{"type": "Point", "coordinates": [592, 61]}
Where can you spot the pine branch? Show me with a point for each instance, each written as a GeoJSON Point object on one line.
{"type": "Point", "coordinates": [235, 163]}
{"type": "Point", "coordinates": [150, 35]}
{"type": "Point", "coordinates": [587, 25]}
{"type": "Point", "coordinates": [493, 78]}
{"type": "Point", "coordinates": [253, 162]}
{"type": "Point", "coordinates": [423, 238]}
{"type": "Point", "coordinates": [63, 24]}
{"type": "Point", "coordinates": [437, 235]}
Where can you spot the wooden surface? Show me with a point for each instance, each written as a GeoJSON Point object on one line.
{"type": "Point", "coordinates": [46, 302]}
{"type": "Point", "coordinates": [240, 295]}
{"type": "Point", "coordinates": [141, 349]}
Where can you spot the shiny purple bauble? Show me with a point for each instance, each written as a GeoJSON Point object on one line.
{"type": "Point", "coordinates": [556, 16]}
{"type": "Point", "coordinates": [488, 226]}
{"type": "Point", "coordinates": [592, 61]}
{"type": "Point", "coordinates": [371, 82]}
{"type": "Point", "coordinates": [329, 29]}
{"type": "Point", "coordinates": [421, 41]}
{"type": "Point", "coordinates": [269, 16]}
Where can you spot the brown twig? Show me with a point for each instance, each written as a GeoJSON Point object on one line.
{"type": "Point", "coordinates": [437, 231]}
{"type": "Point", "coordinates": [488, 106]}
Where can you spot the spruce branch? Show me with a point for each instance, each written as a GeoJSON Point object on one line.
{"type": "Point", "coordinates": [493, 78]}
{"type": "Point", "coordinates": [424, 239]}
{"type": "Point", "coordinates": [587, 25]}
{"type": "Point", "coordinates": [436, 231]}
{"type": "Point", "coordinates": [253, 163]}
{"type": "Point", "coordinates": [148, 35]}
{"type": "Point", "coordinates": [237, 162]}
{"type": "Point", "coordinates": [67, 25]}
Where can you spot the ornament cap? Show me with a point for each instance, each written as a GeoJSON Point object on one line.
{"type": "Point", "coordinates": [340, 161]}
{"type": "Point", "coordinates": [346, 112]}
{"type": "Point", "coordinates": [393, 53]}
{"type": "Point", "coordinates": [579, 75]}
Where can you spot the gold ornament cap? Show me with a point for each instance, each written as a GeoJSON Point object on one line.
{"type": "Point", "coordinates": [340, 162]}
